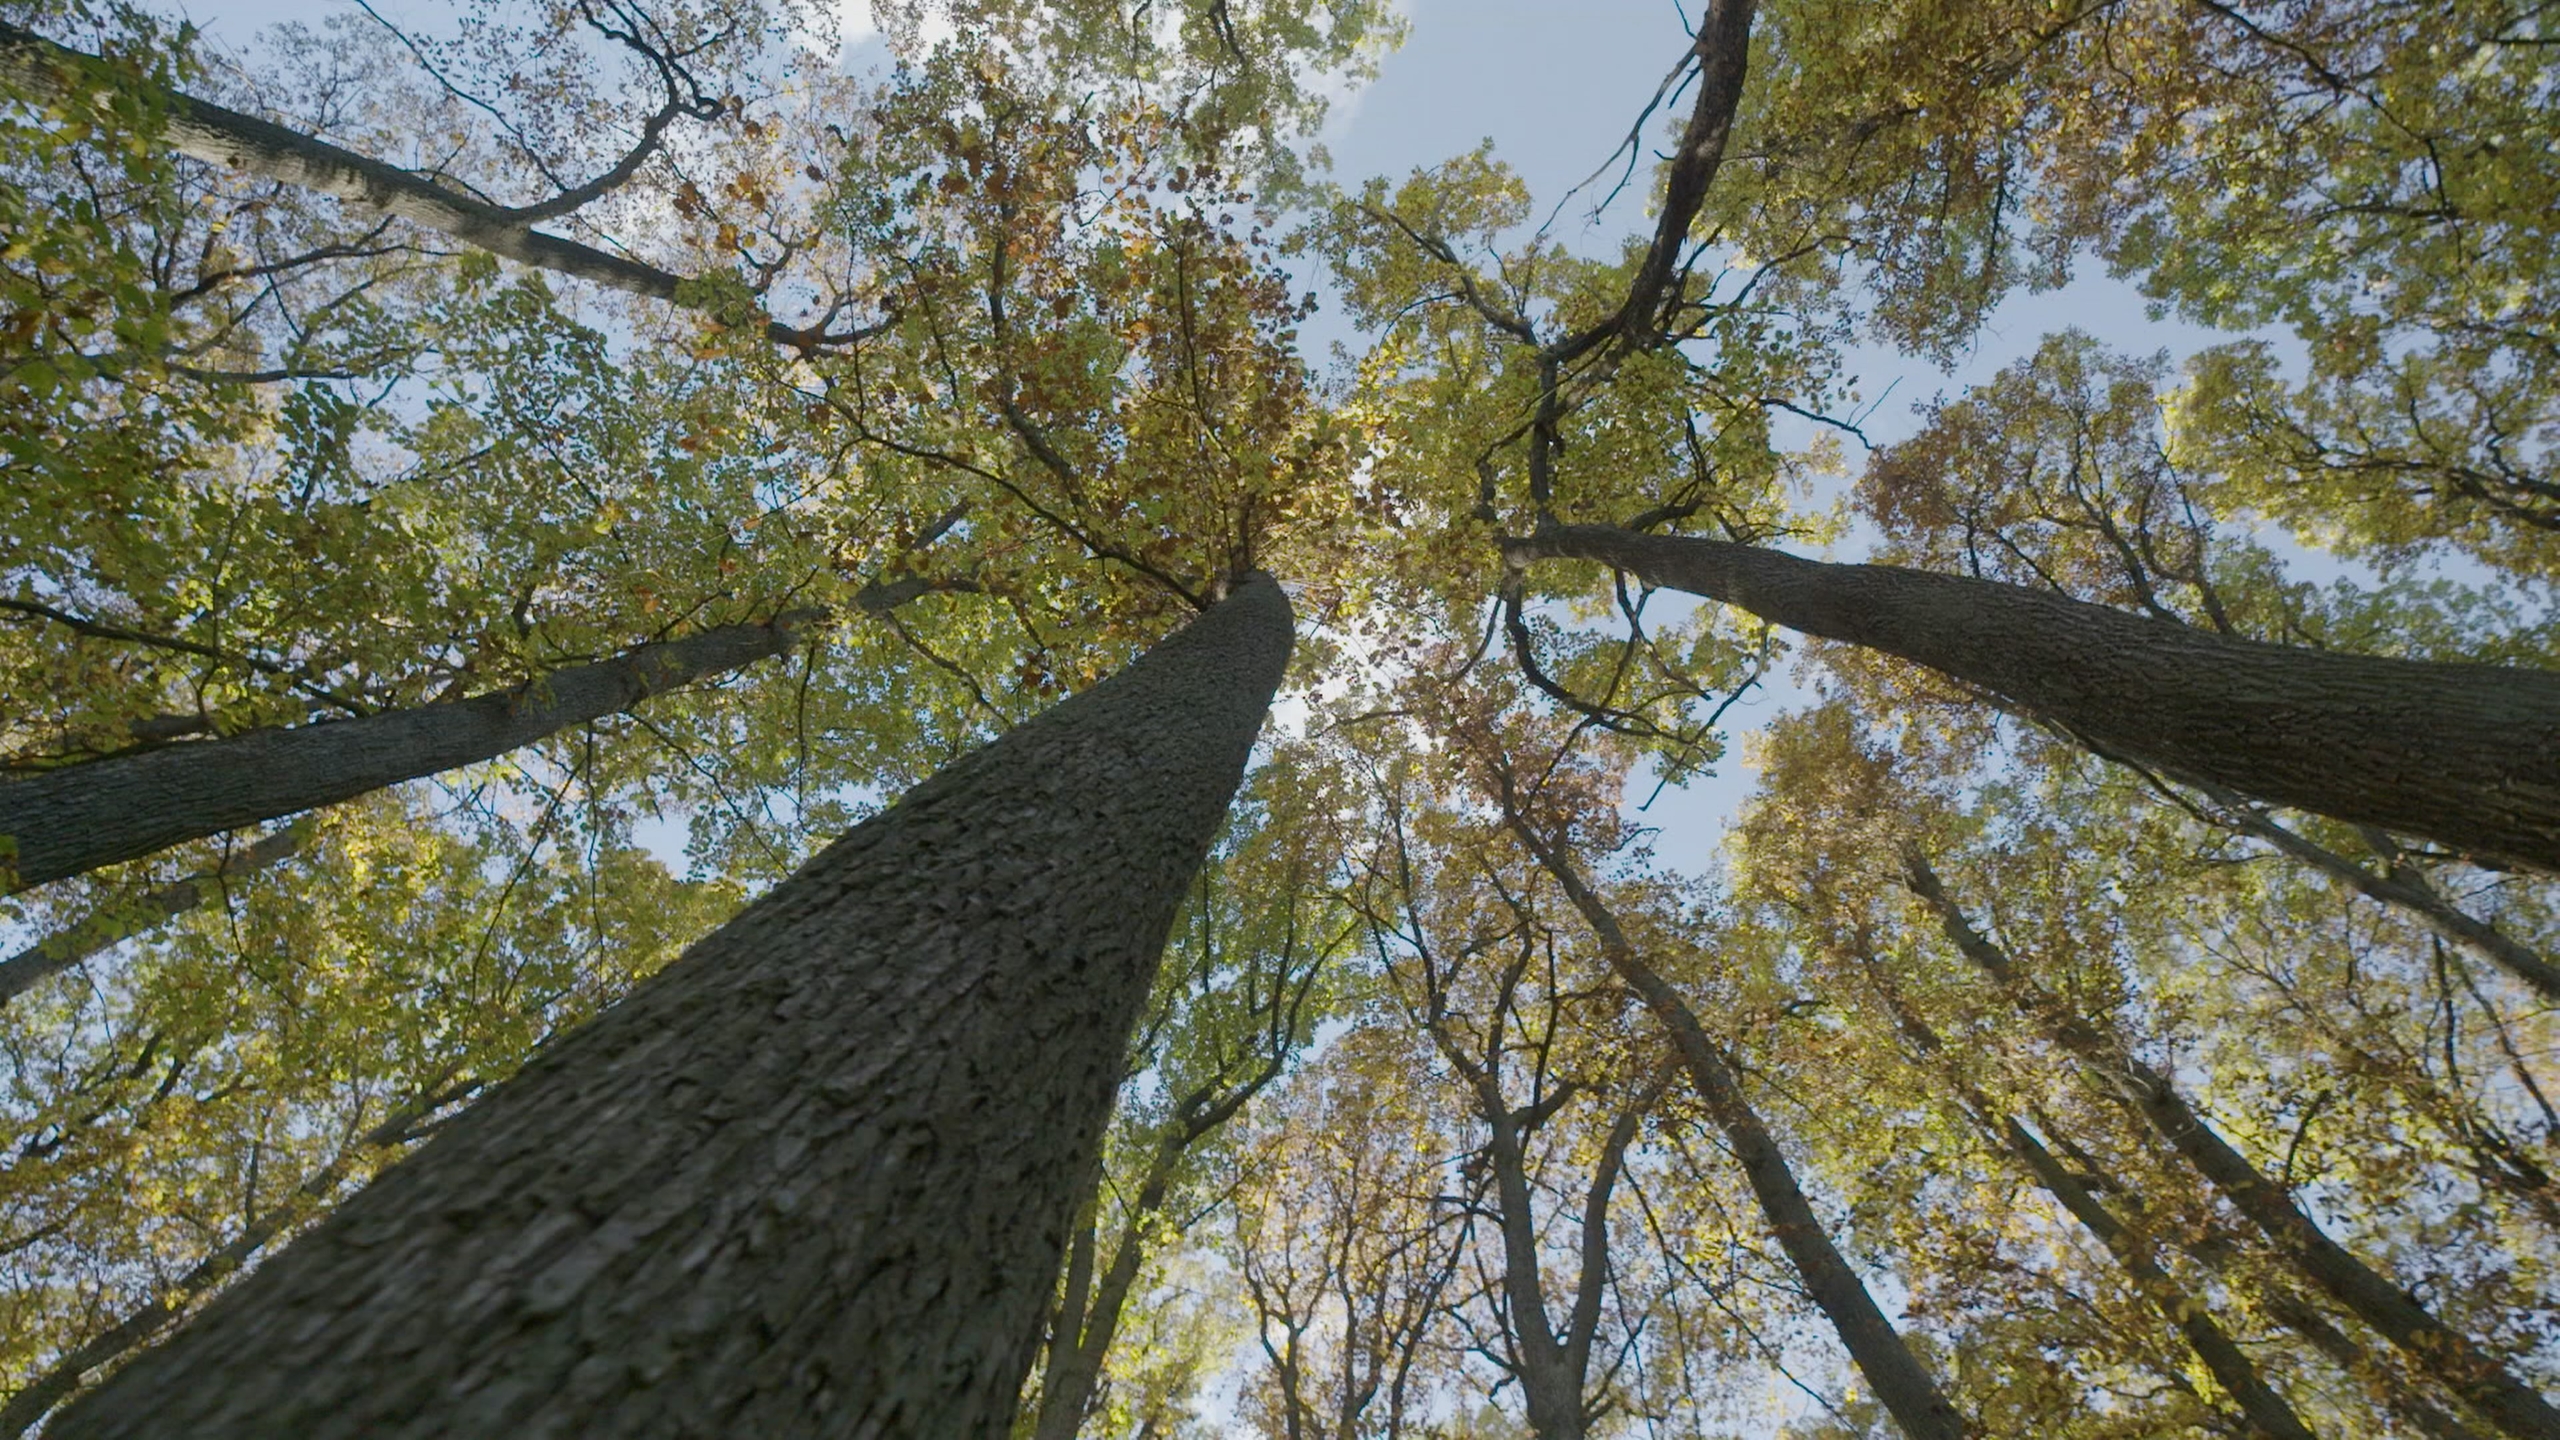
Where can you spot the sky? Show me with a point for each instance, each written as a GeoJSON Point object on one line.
{"type": "Point", "coordinates": [1555, 87]}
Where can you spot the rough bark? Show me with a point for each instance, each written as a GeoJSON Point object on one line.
{"type": "Point", "coordinates": [2466, 755]}
{"type": "Point", "coordinates": [1902, 1384]}
{"type": "Point", "coordinates": [78, 818]}
{"type": "Point", "coordinates": [2435, 1349]}
{"type": "Point", "coordinates": [115, 923]}
{"type": "Point", "coordinates": [202, 130]}
{"type": "Point", "coordinates": [816, 1177]}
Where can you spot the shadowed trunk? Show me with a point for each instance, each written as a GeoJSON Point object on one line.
{"type": "Point", "coordinates": [2467, 755]}
{"type": "Point", "coordinates": [115, 923]}
{"type": "Point", "coordinates": [1902, 1384]}
{"type": "Point", "coordinates": [2434, 1348]}
{"type": "Point", "coordinates": [73, 820]}
{"type": "Point", "coordinates": [816, 1177]}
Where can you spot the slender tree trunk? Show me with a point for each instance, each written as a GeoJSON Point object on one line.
{"type": "Point", "coordinates": [202, 130]}
{"type": "Point", "coordinates": [1091, 1316]}
{"type": "Point", "coordinates": [2405, 890]}
{"type": "Point", "coordinates": [2264, 1411]}
{"type": "Point", "coordinates": [816, 1177]}
{"type": "Point", "coordinates": [1555, 1370]}
{"type": "Point", "coordinates": [120, 921]}
{"type": "Point", "coordinates": [72, 820]}
{"type": "Point", "coordinates": [2434, 1348]}
{"type": "Point", "coordinates": [2217, 1251]}
{"type": "Point", "coordinates": [1903, 1385]}
{"type": "Point", "coordinates": [2468, 755]}
{"type": "Point", "coordinates": [59, 1379]}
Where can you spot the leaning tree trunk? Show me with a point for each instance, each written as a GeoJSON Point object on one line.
{"type": "Point", "coordinates": [2267, 1414]}
{"type": "Point", "coordinates": [69, 821]}
{"type": "Point", "coordinates": [65, 78]}
{"type": "Point", "coordinates": [114, 923]}
{"type": "Point", "coordinates": [2435, 1349]}
{"type": "Point", "coordinates": [815, 1178]}
{"type": "Point", "coordinates": [2468, 755]}
{"type": "Point", "coordinates": [1902, 1384]}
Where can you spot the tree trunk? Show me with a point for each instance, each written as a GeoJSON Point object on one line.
{"type": "Point", "coordinates": [2467, 755]}
{"type": "Point", "coordinates": [72, 820]}
{"type": "Point", "coordinates": [47, 1387]}
{"type": "Point", "coordinates": [200, 130]}
{"type": "Point", "coordinates": [1902, 1384]}
{"type": "Point", "coordinates": [816, 1177]}
{"type": "Point", "coordinates": [2265, 1412]}
{"type": "Point", "coordinates": [2404, 889]}
{"type": "Point", "coordinates": [2406, 1402]}
{"type": "Point", "coordinates": [2434, 1348]}
{"type": "Point", "coordinates": [112, 924]}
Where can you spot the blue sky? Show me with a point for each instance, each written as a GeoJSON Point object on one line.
{"type": "Point", "coordinates": [1555, 88]}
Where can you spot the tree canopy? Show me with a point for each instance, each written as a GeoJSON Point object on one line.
{"type": "Point", "coordinates": [2125, 1003]}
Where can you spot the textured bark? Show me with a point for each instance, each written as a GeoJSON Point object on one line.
{"type": "Point", "coordinates": [816, 1177]}
{"type": "Point", "coordinates": [2435, 1349]}
{"type": "Point", "coordinates": [2466, 755]}
{"type": "Point", "coordinates": [201, 130]}
{"type": "Point", "coordinates": [116, 923]}
{"type": "Point", "coordinates": [76, 819]}
{"type": "Point", "coordinates": [1902, 1384]}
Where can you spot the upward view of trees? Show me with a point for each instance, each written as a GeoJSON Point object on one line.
{"type": "Point", "coordinates": [642, 791]}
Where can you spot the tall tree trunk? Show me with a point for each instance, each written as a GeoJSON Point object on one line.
{"type": "Point", "coordinates": [72, 820]}
{"type": "Point", "coordinates": [816, 1177]}
{"type": "Point", "coordinates": [2468, 755]}
{"type": "Point", "coordinates": [2434, 1348]}
{"type": "Point", "coordinates": [119, 921]}
{"type": "Point", "coordinates": [1902, 1384]}
{"type": "Point", "coordinates": [2266, 1412]}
